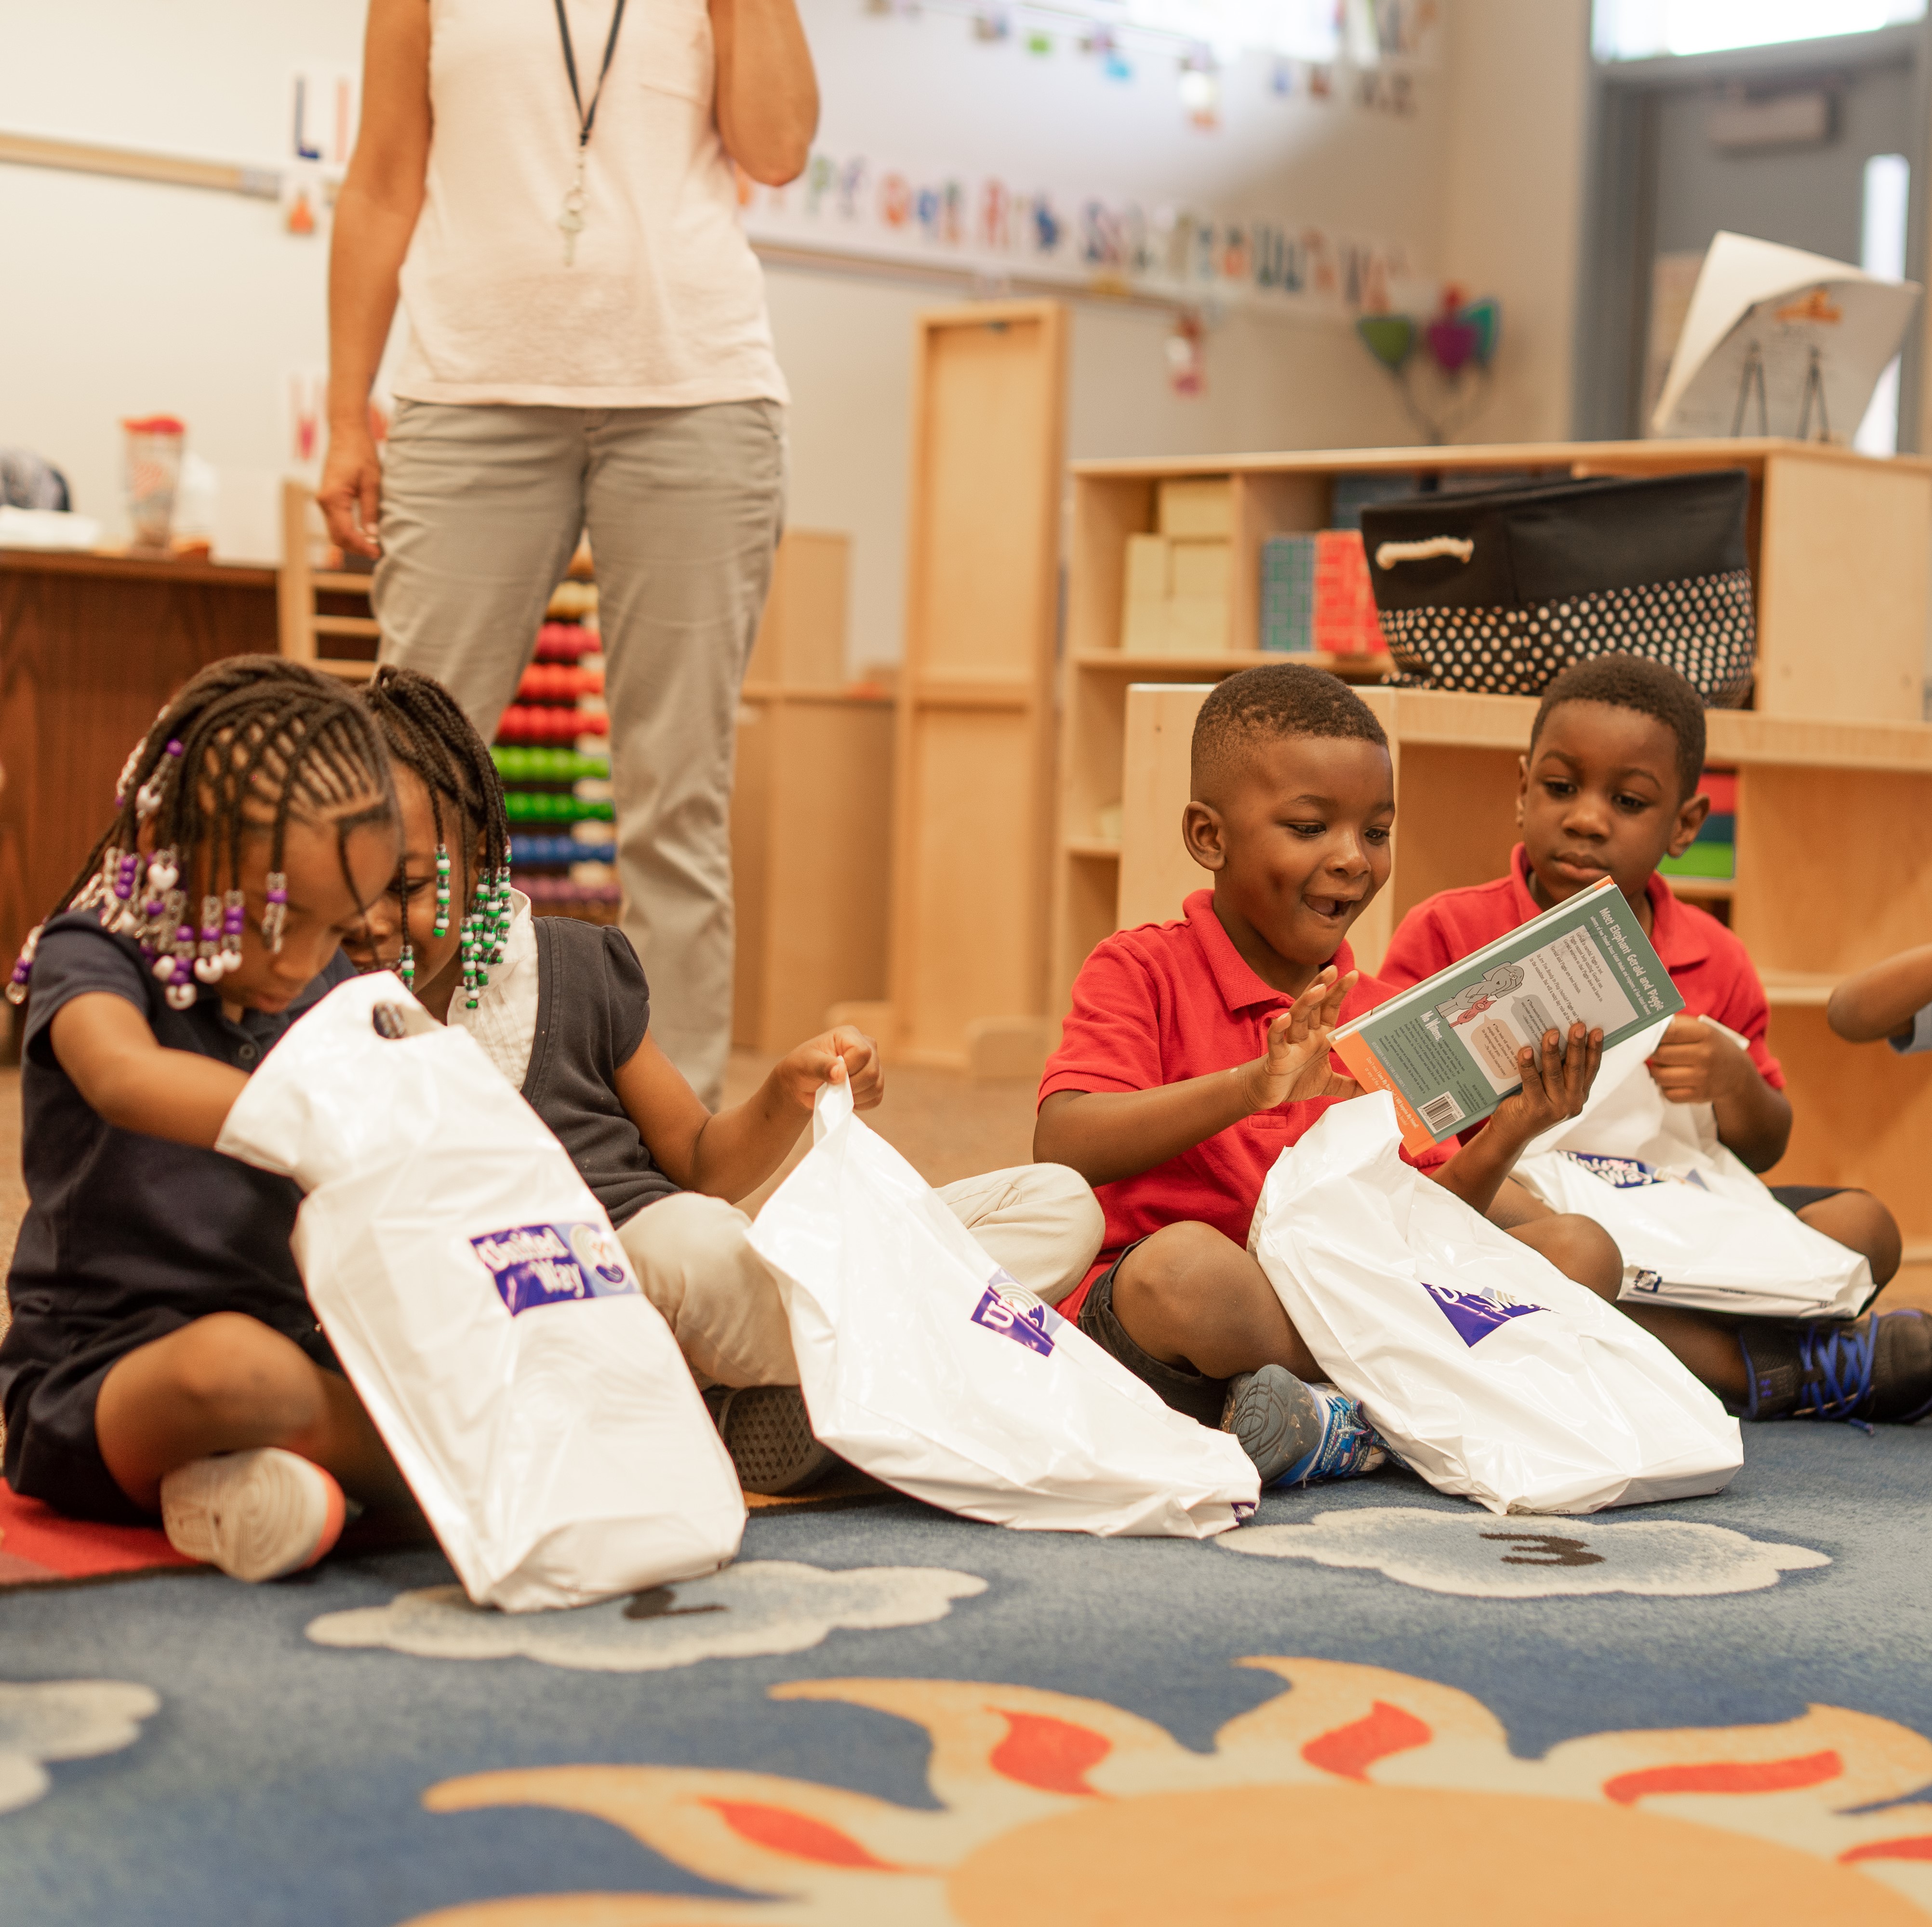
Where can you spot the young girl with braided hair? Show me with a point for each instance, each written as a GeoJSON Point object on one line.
{"type": "Point", "coordinates": [563, 1008]}
{"type": "Point", "coordinates": [162, 1354]}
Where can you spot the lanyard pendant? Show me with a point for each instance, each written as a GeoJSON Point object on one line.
{"type": "Point", "coordinates": [571, 220]}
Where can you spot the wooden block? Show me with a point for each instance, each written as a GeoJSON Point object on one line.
{"type": "Point", "coordinates": [801, 641]}
{"type": "Point", "coordinates": [1199, 568]}
{"type": "Point", "coordinates": [1197, 625]}
{"type": "Point", "coordinates": [1198, 508]}
{"type": "Point", "coordinates": [1843, 580]}
{"type": "Point", "coordinates": [1149, 576]}
{"type": "Point", "coordinates": [1010, 1047]}
{"type": "Point", "coordinates": [1144, 629]}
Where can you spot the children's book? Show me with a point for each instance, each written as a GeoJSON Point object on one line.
{"type": "Point", "coordinates": [1446, 1049]}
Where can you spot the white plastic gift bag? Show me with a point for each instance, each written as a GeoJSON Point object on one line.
{"type": "Point", "coordinates": [1489, 1372]}
{"type": "Point", "coordinates": [925, 1365]}
{"type": "Point", "coordinates": [1697, 1227]}
{"type": "Point", "coordinates": [485, 1311]}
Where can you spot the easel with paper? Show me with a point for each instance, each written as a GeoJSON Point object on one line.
{"type": "Point", "coordinates": [1780, 342]}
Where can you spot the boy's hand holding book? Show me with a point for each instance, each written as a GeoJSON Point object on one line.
{"type": "Point", "coordinates": [1295, 1065]}
{"type": "Point", "coordinates": [1556, 1079]}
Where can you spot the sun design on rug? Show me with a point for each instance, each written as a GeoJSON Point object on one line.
{"type": "Point", "coordinates": [1392, 1796]}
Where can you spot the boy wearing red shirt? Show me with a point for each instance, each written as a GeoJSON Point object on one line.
{"type": "Point", "coordinates": [1609, 787]}
{"type": "Point", "coordinates": [1197, 1051]}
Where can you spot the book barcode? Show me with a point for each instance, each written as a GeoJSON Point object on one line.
{"type": "Point", "coordinates": [1439, 1113]}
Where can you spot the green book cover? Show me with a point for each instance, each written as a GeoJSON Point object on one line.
{"type": "Point", "coordinates": [1446, 1048]}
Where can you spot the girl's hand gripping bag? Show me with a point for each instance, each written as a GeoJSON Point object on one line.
{"type": "Point", "coordinates": [925, 1365]}
{"type": "Point", "coordinates": [485, 1311]}
{"type": "Point", "coordinates": [1697, 1227]}
{"type": "Point", "coordinates": [1490, 1373]}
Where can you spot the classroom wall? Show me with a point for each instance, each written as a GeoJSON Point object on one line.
{"type": "Point", "coordinates": [145, 298]}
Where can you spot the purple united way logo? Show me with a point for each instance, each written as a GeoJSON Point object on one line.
{"type": "Point", "coordinates": [1476, 1314]}
{"type": "Point", "coordinates": [533, 1265]}
{"type": "Point", "coordinates": [1008, 1308]}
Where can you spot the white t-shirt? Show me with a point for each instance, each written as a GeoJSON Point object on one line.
{"type": "Point", "coordinates": [664, 306]}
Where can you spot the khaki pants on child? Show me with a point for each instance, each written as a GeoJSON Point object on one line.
{"type": "Point", "coordinates": [1040, 1221]}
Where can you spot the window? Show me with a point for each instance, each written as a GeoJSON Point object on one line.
{"type": "Point", "coordinates": [1642, 29]}
{"type": "Point", "coordinates": [1882, 252]}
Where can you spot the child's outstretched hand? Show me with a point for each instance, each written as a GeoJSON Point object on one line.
{"type": "Point", "coordinates": [1695, 1063]}
{"type": "Point", "coordinates": [1556, 1082]}
{"type": "Point", "coordinates": [1295, 1064]}
{"type": "Point", "coordinates": [842, 1056]}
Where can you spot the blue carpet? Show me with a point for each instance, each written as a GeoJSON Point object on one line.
{"type": "Point", "coordinates": [280, 1779]}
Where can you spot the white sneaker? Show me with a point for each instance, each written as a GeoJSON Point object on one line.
{"type": "Point", "coordinates": [256, 1514]}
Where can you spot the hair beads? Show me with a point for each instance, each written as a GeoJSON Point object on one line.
{"type": "Point", "coordinates": [429, 736]}
{"type": "Point", "coordinates": [265, 739]}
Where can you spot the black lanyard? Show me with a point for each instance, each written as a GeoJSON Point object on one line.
{"type": "Point", "coordinates": [587, 121]}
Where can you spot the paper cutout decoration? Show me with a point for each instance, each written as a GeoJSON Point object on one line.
{"type": "Point", "coordinates": [1389, 337]}
{"type": "Point", "coordinates": [1778, 341]}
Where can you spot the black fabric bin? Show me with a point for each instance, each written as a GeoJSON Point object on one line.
{"type": "Point", "coordinates": [1523, 581]}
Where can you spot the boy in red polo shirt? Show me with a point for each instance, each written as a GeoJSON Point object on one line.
{"type": "Point", "coordinates": [1197, 1051]}
{"type": "Point", "coordinates": [1609, 787]}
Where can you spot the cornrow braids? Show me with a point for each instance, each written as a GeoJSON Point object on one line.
{"type": "Point", "coordinates": [429, 735]}
{"type": "Point", "coordinates": [259, 729]}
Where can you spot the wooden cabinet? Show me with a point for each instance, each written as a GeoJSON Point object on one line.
{"type": "Point", "coordinates": [91, 646]}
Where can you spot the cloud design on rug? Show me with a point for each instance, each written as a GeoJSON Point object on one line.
{"type": "Point", "coordinates": [757, 1608]}
{"type": "Point", "coordinates": [1483, 1556]}
{"type": "Point", "coordinates": [63, 1719]}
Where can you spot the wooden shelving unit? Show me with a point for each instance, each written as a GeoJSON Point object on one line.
{"type": "Point", "coordinates": [972, 834]}
{"type": "Point", "coordinates": [1840, 550]}
{"type": "Point", "coordinates": [1835, 867]}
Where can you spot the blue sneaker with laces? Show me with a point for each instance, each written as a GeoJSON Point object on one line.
{"type": "Point", "coordinates": [1297, 1432]}
{"type": "Point", "coordinates": [1876, 1369]}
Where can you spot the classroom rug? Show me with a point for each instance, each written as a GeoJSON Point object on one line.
{"type": "Point", "coordinates": [1373, 1700]}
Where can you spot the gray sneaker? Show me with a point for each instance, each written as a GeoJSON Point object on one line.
{"type": "Point", "coordinates": [766, 1431]}
{"type": "Point", "coordinates": [1275, 1417]}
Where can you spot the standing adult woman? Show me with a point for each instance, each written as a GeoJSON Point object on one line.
{"type": "Point", "coordinates": [550, 191]}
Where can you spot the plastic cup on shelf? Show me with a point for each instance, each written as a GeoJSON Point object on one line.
{"type": "Point", "coordinates": [153, 470]}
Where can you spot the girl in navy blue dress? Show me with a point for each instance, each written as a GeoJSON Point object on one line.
{"type": "Point", "coordinates": [162, 1355]}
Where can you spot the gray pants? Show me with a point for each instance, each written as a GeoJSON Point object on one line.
{"type": "Point", "coordinates": [481, 509]}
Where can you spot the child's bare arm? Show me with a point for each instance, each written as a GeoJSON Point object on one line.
{"type": "Point", "coordinates": [1882, 1002]}
{"type": "Point", "coordinates": [1106, 1135]}
{"type": "Point", "coordinates": [1556, 1082]}
{"type": "Point", "coordinates": [1696, 1063]}
{"type": "Point", "coordinates": [729, 1154]}
{"type": "Point", "coordinates": [104, 1045]}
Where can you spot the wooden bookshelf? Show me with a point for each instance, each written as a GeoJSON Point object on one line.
{"type": "Point", "coordinates": [1840, 556]}
{"type": "Point", "coordinates": [1834, 870]}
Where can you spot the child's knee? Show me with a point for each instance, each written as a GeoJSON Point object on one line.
{"type": "Point", "coordinates": [1579, 1248]}
{"type": "Point", "coordinates": [1858, 1219]}
{"type": "Point", "coordinates": [237, 1374]}
{"type": "Point", "coordinates": [1179, 1275]}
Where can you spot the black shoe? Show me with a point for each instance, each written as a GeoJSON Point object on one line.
{"type": "Point", "coordinates": [1876, 1370]}
{"type": "Point", "coordinates": [766, 1431]}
